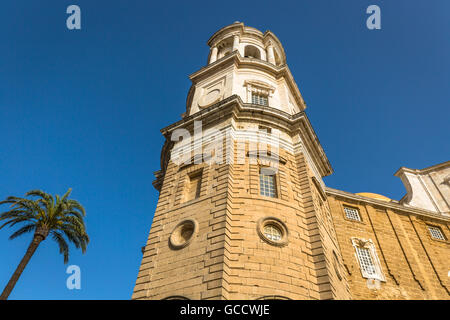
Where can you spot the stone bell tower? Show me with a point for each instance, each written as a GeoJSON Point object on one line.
{"type": "Point", "coordinates": [242, 212]}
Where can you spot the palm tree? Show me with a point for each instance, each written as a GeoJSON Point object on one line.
{"type": "Point", "coordinates": [44, 215]}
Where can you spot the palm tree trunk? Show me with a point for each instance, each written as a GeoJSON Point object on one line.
{"type": "Point", "coordinates": [23, 263]}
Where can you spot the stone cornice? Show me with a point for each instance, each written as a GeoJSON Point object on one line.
{"type": "Point", "coordinates": [391, 205]}
{"type": "Point", "coordinates": [422, 171]}
{"type": "Point", "coordinates": [234, 107]}
{"type": "Point", "coordinates": [219, 34]}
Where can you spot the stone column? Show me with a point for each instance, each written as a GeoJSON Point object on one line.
{"type": "Point", "coordinates": [235, 43]}
{"type": "Point", "coordinates": [213, 56]}
{"type": "Point", "coordinates": [270, 54]}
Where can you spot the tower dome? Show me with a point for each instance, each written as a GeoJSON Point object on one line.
{"type": "Point", "coordinates": [246, 62]}
{"type": "Point", "coordinates": [248, 41]}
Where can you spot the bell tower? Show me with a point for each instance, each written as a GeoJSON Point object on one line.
{"type": "Point", "coordinates": [242, 212]}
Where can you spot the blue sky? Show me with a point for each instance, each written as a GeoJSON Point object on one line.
{"type": "Point", "coordinates": [83, 109]}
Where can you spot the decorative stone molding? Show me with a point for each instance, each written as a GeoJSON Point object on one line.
{"type": "Point", "coordinates": [270, 157]}
{"type": "Point", "coordinates": [391, 205]}
{"type": "Point", "coordinates": [263, 222]}
{"type": "Point", "coordinates": [212, 94]}
{"type": "Point", "coordinates": [183, 234]}
{"type": "Point", "coordinates": [258, 87]}
{"type": "Point", "coordinates": [427, 188]}
{"type": "Point", "coordinates": [368, 244]}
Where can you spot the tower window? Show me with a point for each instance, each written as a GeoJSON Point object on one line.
{"type": "Point", "coordinates": [352, 213]}
{"type": "Point", "coordinates": [194, 186]}
{"type": "Point", "coordinates": [436, 233]}
{"type": "Point", "coordinates": [183, 234]}
{"type": "Point", "coordinates": [272, 232]}
{"type": "Point", "coordinates": [267, 183]}
{"type": "Point", "coordinates": [252, 52]}
{"type": "Point", "coordinates": [260, 99]}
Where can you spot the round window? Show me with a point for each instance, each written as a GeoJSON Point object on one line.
{"type": "Point", "coordinates": [183, 234]}
{"type": "Point", "coordinates": [273, 231]}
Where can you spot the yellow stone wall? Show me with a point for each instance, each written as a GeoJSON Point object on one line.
{"type": "Point", "coordinates": [227, 258]}
{"type": "Point", "coordinates": [415, 265]}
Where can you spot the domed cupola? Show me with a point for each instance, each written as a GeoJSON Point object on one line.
{"type": "Point", "coordinates": [245, 62]}
{"type": "Point", "coordinates": [249, 42]}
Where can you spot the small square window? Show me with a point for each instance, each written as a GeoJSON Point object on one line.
{"type": "Point", "coordinates": [436, 233]}
{"type": "Point", "coordinates": [352, 213]}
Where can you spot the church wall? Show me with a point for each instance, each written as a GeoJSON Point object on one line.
{"type": "Point", "coordinates": [414, 265]}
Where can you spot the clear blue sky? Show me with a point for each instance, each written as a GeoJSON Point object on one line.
{"type": "Point", "coordinates": [83, 109]}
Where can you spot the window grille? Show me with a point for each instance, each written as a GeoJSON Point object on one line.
{"type": "Point", "coordinates": [352, 214]}
{"type": "Point", "coordinates": [272, 232]}
{"type": "Point", "coordinates": [260, 99]}
{"type": "Point", "coordinates": [368, 259]}
{"type": "Point", "coordinates": [366, 262]}
{"type": "Point", "coordinates": [267, 184]}
{"type": "Point", "coordinates": [436, 233]}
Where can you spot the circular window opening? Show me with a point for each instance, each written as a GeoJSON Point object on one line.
{"type": "Point", "coordinates": [183, 234]}
{"type": "Point", "coordinates": [186, 232]}
{"type": "Point", "coordinates": [273, 231]}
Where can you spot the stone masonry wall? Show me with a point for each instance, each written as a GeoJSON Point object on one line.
{"type": "Point", "coordinates": [415, 265]}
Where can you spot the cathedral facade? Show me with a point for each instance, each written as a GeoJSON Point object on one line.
{"type": "Point", "coordinates": [243, 212]}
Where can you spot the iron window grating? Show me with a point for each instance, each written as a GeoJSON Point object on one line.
{"type": "Point", "coordinates": [436, 233]}
{"type": "Point", "coordinates": [352, 213]}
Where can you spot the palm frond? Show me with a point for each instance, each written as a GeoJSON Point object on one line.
{"type": "Point", "coordinates": [66, 195]}
{"type": "Point", "coordinates": [62, 244]}
{"type": "Point", "coordinates": [39, 193]}
{"type": "Point", "coordinates": [25, 229]}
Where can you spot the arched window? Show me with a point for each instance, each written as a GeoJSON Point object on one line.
{"type": "Point", "coordinates": [273, 297]}
{"type": "Point", "coordinates": [252, 52]}
{"type": "Point", "coordinates": [175, 298]}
